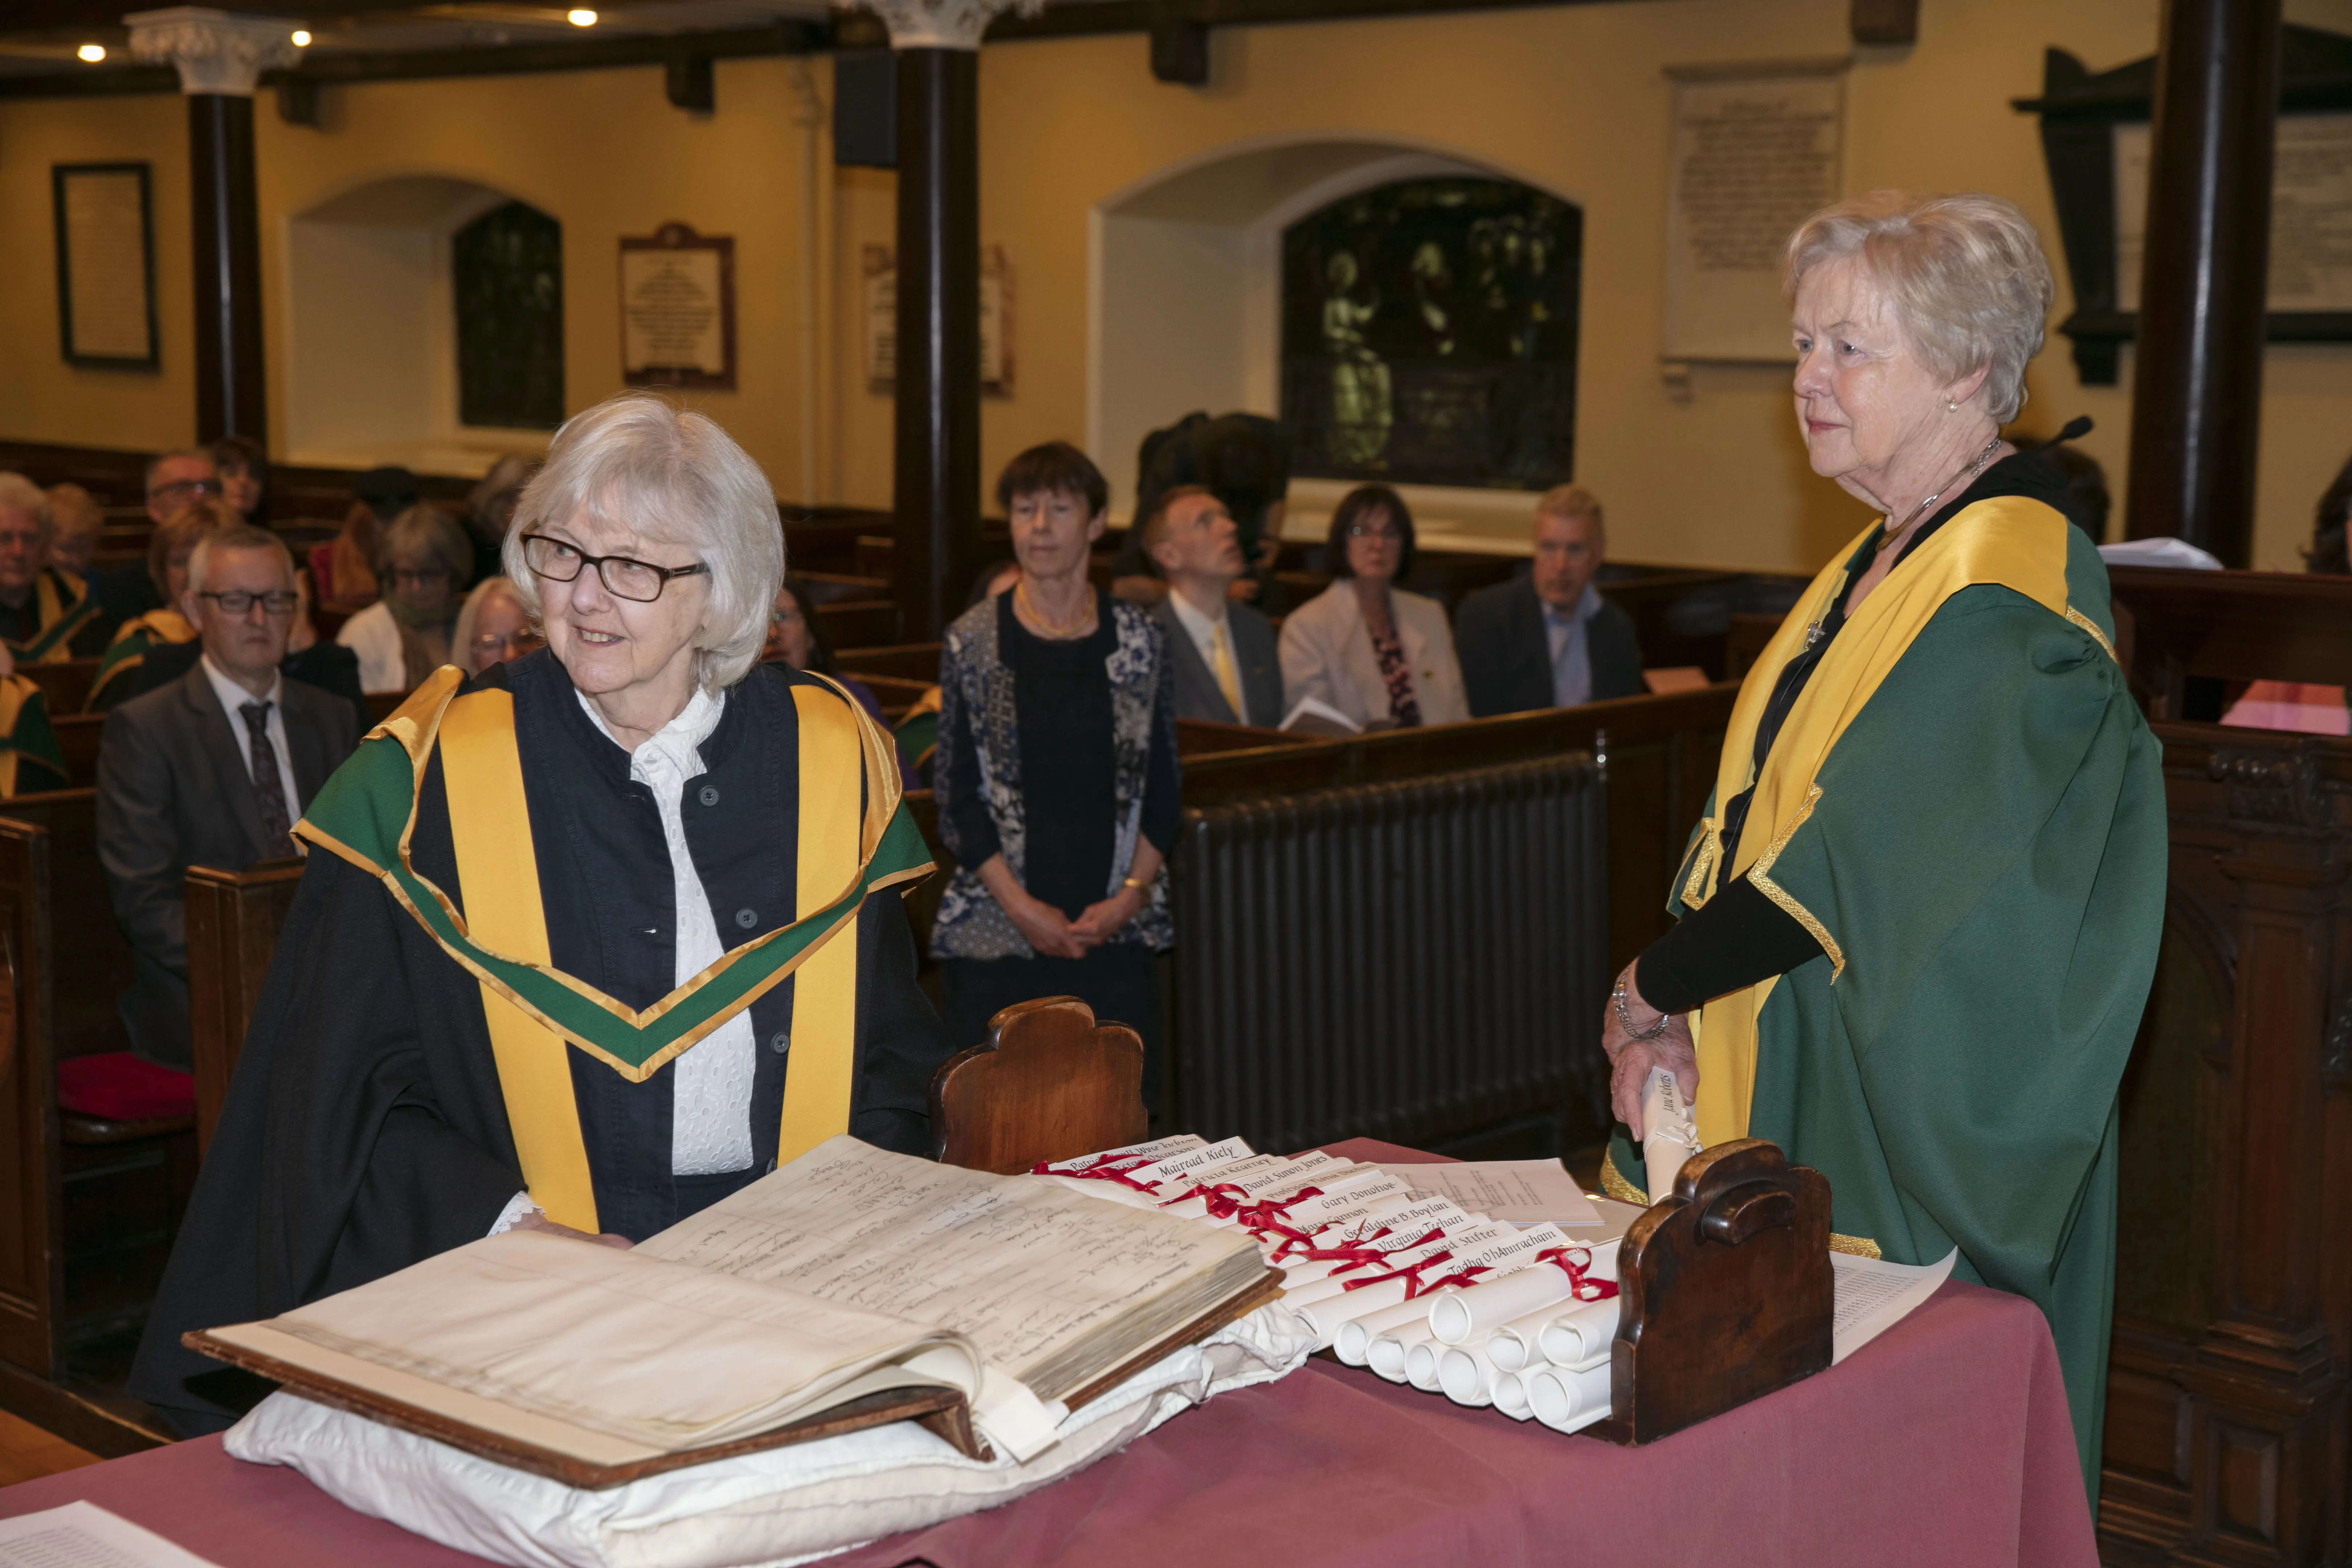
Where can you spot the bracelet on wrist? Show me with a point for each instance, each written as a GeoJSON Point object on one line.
{"type": "Point", "coordinates": [1625, 1017]}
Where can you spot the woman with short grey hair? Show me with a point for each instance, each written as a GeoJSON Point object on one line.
{"type": "Point", "coordinates": [424, 565]}
{"type": "Point", "coordinates": [1919, 919]}
{"type": "Point", "coordinates": [589, 942]}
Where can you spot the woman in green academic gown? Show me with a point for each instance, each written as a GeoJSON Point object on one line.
{"type": "Point", "coordinates": [586, 942]}
{"type": "Point", "coordinates": [1917, 925]}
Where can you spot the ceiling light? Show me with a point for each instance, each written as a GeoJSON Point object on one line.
{"type": "Point", "coordinates": [93, 53]}
{"type": "Point", "coordinates": [580, 18]}
{"type": "Point", "coordinates": [301, 38]}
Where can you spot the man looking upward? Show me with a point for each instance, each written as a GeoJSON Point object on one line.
{"type": "Point", "coordinates": [1222, 651]}
{"type": "Point", "coordinates": [1548, 639]}
{"type": "Point", "coordinates": [211, 770]}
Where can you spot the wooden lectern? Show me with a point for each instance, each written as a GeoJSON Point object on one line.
{"type": "Point", "coordinates": [1726, 1292]}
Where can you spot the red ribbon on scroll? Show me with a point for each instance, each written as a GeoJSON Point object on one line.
{"type": "Point", "coordinates": [1573, 1261]}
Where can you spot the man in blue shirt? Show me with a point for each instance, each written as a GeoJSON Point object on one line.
{"type": "Point", "coordinates": [1547, 639]}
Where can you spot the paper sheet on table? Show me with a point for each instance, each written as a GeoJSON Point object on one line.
{"type": "Point", "coordinates": [1873, 1295]}
{"type": "Point", "coordinates": [1516, 1192]}
{"type": "Point", "coordinates": [84, 1535]}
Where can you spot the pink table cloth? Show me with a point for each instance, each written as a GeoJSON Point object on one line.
{"type": "Point", "coordinates": [1946, 1440]}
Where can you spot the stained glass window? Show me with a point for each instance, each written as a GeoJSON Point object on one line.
{"type": "Point", "coordinates": [1429, 335]}
{"type": "Point", "coordinates": [508, 266]}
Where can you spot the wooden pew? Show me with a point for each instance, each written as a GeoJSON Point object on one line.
{"type": "Point", "coordinates": [85, 1219]}
{"type": "Point", "coordinates": [859, 623]}
{"type": "Point", "coordinates": [909, 661]}
{"type": "Point", "coordinates": [234, 918]}
{"type": "Point", "coordinates": [66, 684]}
{"type": "Point", "coordinates": [2172, 626]}
{"type": "Point", "coordinates": [78, 739]}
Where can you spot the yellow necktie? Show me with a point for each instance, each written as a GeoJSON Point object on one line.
{"type": "Point", "coordinates": [1222, 667]}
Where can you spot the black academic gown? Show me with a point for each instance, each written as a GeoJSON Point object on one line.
{"type": "Point", "coordinates": [364, 1129]}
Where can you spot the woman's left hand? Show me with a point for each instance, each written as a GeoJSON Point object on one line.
{"type": "Point", "coordinates": [1631, 1062]}
{"type": "Point", "coordinates": [1098, 923]}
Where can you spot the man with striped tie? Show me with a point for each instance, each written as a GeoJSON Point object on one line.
{"type": "Point", "coordinates": [1222, 651]}
{"type": "Point", "coordinates": [212, 770]}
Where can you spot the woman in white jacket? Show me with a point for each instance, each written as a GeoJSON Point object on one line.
{"type": "Point", "coordinates": [1371, 650]}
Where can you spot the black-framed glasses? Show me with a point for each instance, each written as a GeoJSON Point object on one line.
{"type": "Point", "coordinates": [237, 601]}
{"type": "Point", "coordinates": [623, 576]}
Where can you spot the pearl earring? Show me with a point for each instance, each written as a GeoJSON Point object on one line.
{"type": "Point", "coordinates": [1951, 408]}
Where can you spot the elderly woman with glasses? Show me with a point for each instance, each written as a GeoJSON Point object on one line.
{"type": "Point", "coordinates": [1920, 917]}
{"type": "Point", "coordinates": [494, 626]}
{"type": "Point", "coordinates": [588, 942]}
{"type": "Point", "coordinates": [423, 564]}
{"type": "Point", "coordinates": [1379, 656]}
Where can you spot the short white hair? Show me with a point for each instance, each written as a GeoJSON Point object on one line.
{"type": "Point", "coordinates": [240, 536]}
{"type": "Point", "coordinates": [1965, 274]}
{"type": "Point", "coordinates": [18, 493]}
{"type": "Point", "coordinates": [637, 463]}
{"type": "Point", "coordinates": [486, 592]}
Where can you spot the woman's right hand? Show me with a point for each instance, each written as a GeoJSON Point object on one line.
{"type": "Point", "coordinates": [1042, 926]}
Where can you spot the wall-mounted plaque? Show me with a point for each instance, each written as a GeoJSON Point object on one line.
{"type": "Point", "coordinates": [677, 309]}
{"type": "Point", "coordinates": [1755, 153]}
{"type": "Point", "coordinates": [878, 274]}
{"type": "Point", "coordinates": [2311, 212]}
{"type": "Point", "coordinates": [106, 265]}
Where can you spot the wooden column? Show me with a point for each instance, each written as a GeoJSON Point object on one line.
{"type": "Point", "coordinates": [229, 381]}
{"type": "Point", "coordinates": [938, 447]}
{"type": "Point", "coordinates": [2196, 383]}
{"type": "Point", "coordinates": [220, 57]}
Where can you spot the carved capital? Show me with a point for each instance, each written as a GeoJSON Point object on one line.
{"type": "Point", "coordinates": [2274, 787]}
{"type": "Point", "coordinates": [215, 51]}
{"type": "Point", "coordinates": [944, 24]}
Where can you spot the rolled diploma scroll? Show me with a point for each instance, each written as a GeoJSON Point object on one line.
{"type": "Point", "coordinates": [1348, 1227]}
{"type": "Point", "coordinates": [1574, 1338]}
{"type": "Point", "coordinates": [1466, 1375]}
{"type": "Point", "coordinates": [1569, 1400]}
{"type": "Point", "coordinates": [1133, 1153]}
{"type": "Point", "coordinates": [1344, 1302]}
{"type": "Point", "coordinates": [1342, 1196]}
{"type": "Point", "coordinates": [1251, 1184]}
{"type": "Point", "coordinates": [1389, 1353]}
{"type": "Point", "coordinates": [1404, 1230]}
{"type": "Point", "coordinates": [1421, 1365]}
{"type": "Point", "coordinates": [1496, 1247]}
{"type": "Point", "coordinates": [1359, 1337]}
{"type": "Point", "coordinates": [1480, 1309]}
{"type": "Point", "coordinates": [1160, 1174]}
{"type": "Point", "coordinates": [1669, 1137]}
{"type": "Point", "coordinates": [1326, 1313]}
{"type": "Point", "coordinates": [1393, 1229]}
{"type": "Point", "coordinates": [1510, 1394]}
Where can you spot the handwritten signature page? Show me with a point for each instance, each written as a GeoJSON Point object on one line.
{"type": "Point", "coordinates": [607, 1355]}
{"type": "Point", "coordinates": [1052, 1287]}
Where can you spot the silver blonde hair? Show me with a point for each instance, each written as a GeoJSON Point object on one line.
{"type": "Point", "coordinates": [1965, 274]}
{"type": "Point", "coordinates": [635, 462]}
{"type": "Point", "coordinates": [18, 493]}
{"type": "Point", "coordinates": [469, 615]}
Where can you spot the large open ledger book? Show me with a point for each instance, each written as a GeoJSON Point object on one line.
{"type": "Point", "coordinates": [849, 1287]}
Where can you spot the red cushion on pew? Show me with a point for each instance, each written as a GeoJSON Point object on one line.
{"type": "Point", "coordinates": [117, 1087]}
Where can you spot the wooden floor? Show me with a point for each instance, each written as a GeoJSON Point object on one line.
{"type": "Point", "coordinates": [28, 1453]}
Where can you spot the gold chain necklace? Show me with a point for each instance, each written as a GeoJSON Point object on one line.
{"type": "Point", "coordinates": [1028, 605]}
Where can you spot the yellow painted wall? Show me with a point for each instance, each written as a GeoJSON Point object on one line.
{"type": "Point", "coordinates": [43, 398]}
{"type": "Point", "coordinates": [1572, 97]}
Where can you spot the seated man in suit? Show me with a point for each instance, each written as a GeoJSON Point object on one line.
{"type": "Point", "coordinates": [1547, 639]}
{"type": "Point", "coordinates": [1222, 652]}
{"type": "Point", "coordinates": [212, 770]}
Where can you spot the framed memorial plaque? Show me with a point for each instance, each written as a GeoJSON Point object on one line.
{"type": "Point", "coordinates": [106, 265]}
{"type": "Point", "coordinates": [878, 301]}
{"type": "Point", "coordinates": [677, 309]}
{"type": "Point", "coordinates": [1755, 153]}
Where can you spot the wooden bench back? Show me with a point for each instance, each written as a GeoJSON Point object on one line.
{"type": "Point", "coordinates": [87, 945]}
{"type": "Point", "coordinates": [32, 1264]}
{"type": "Point", "coordinates": [234, 918]}
{"type": "Point", "coordinates": [66, 684]}
{"type": "Point", "coordinates": [1049, 1084]}
{"type": "Point", "coordinates": [2172, 626]}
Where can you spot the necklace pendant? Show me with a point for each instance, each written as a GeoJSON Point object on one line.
{"type": "Point", "coordinates": [1812, 634]}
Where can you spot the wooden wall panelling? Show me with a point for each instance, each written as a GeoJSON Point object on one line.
{"type": "Point", "coordinates": [32, 1263]}
{"type": "Point", "coordinates": [89, 945]}
{"type": "Point", "coordinates": [2227, 1427]}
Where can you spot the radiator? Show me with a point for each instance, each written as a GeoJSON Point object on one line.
{"type": "Point", "coordinates": [1407, 961]}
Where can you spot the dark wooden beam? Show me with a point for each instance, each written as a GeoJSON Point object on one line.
{"type": "Point", "coordinates": [1179, 52]}
{"type": "Point", "coordinates": [1885, 21]}
{"type": "Point", "coordinates": [230, 399]}
{"type": "Point", "coordinates": [690, 83]}
{"type": "Point", "coordinates": [2196, 392]}
{"type": "Point", "coordinates": [937, 463]}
